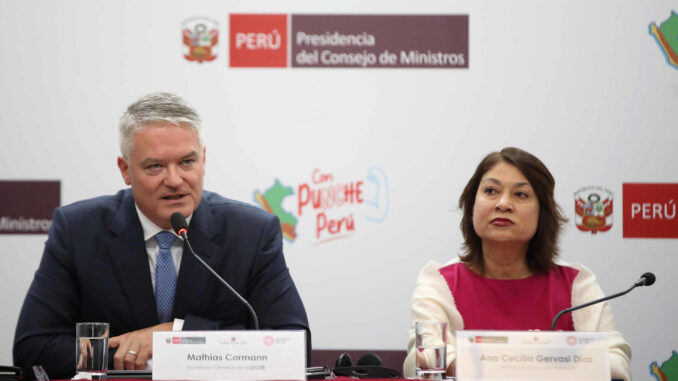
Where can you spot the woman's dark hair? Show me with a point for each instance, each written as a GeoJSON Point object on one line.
{"type": "Point", "coordinates": [543, 248]}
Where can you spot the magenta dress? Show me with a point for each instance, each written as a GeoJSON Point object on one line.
{"type": "Point", "coordinates": [511, 304]}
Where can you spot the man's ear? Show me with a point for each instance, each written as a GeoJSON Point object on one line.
{"type": "Point", "coordinates": [124, 169]}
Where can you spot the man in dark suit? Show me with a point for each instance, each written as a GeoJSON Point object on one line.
{"type": "Point", "coordinates": [104, 256]}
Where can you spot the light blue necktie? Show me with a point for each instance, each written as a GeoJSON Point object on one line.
{"type": "Point", "coordinates": [165, 277]}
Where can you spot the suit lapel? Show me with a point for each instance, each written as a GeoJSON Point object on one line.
{"type": "Point", "coordinates": [130, 261]}
{"type": "Point", "coordinates": [193, 277]}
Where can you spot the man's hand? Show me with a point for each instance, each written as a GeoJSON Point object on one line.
{"type": "Point", "coordinates": [85, 353]}
{"type": "Point", "coordinates": [136, 347]}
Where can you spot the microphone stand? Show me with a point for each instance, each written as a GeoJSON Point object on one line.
{"type": "Point", "coordinates": [206, 266]}
{"type": "Point", "coordinates": [561, 313]}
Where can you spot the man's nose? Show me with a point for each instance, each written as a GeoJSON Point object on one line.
{"type": "Point", "coordinates": [173, 178]}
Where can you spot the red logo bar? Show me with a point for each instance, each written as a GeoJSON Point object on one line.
{"type": "Point", "coordinates": [258, 40]}
{"type": "Point", "coordinates": [650, 210]}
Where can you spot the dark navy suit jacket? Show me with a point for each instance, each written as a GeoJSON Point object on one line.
{"type": "Point", "coordinates": [95, 268]}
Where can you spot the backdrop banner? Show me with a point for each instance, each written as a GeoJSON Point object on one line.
{"type": "Point", "coordinates": [358, 124]}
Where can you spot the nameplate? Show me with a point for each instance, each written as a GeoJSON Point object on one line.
{"type": "Point", "coordinates": [532, 355]}
{"type": "Point", "coordinates": [229, 355]}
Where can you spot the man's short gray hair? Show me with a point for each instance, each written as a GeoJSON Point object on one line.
{"type": "Point", "coordinates": [156, 108]}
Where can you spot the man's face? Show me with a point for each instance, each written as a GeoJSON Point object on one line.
{"type": "Point", "coordinates": [165, 169]}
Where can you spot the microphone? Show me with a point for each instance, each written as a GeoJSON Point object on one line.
{"type": "Point", "coordinates": [646, 279]}
{"type": "Point", "coordinates": [369, 366]}
{"type": "Point", "coordinates": [181, 228]}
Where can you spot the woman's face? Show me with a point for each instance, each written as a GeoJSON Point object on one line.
{"type": "Point", "coordinates": [506, 208]}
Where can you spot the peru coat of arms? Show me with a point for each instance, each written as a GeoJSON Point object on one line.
{"type": "Point", "coordinates": [200, 37]}
{"type": "Point", "coordinates": [593, 209]}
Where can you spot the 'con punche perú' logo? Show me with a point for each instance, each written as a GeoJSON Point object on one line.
{"type": "Point", "coordinates": [327, 206]}
{"type": "Point", "coordinates": [593, 209]}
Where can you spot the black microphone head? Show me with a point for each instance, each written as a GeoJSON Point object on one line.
{"type": "Point", "coordinates": [648, 279]}
{"type": "Point", "coordinates": [178, 222]}
{"type": "Point", "coordinates": [370, 359]}
{"type": "Point", "coordinates": [343, 360]}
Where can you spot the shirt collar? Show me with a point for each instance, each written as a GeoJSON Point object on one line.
{"type": "Point", "coordinates": [151, 229]}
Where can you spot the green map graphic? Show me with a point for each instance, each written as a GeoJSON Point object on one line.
{"type": "Point", "coordinates": [271, 201]}
{"type": "Point", "coordinates": [669, 29]}
{"type": "Point", "coordinates": [668, 371]}
{"type": "Point", "coordinates": [667, 38]}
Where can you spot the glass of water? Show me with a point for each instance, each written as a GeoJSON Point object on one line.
{"type": "Point", "coordinates": [91, 350]}
{"type": "Point", "coordinates": [431, 350]}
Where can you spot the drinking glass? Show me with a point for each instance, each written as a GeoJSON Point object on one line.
{"type": "Point", "coordinates": [431, 350]}
{"type": "Point", "coordinates": [91, 350]}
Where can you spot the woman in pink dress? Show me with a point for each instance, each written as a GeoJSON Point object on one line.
{"type": "Point", "coordinates": [509, 276]}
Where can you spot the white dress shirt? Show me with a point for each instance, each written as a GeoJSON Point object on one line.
{"type": "Point", "coordinates": [152, 249]}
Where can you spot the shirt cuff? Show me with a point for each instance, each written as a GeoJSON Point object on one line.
{"type": "Point", "coordinates": [178, 325]}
